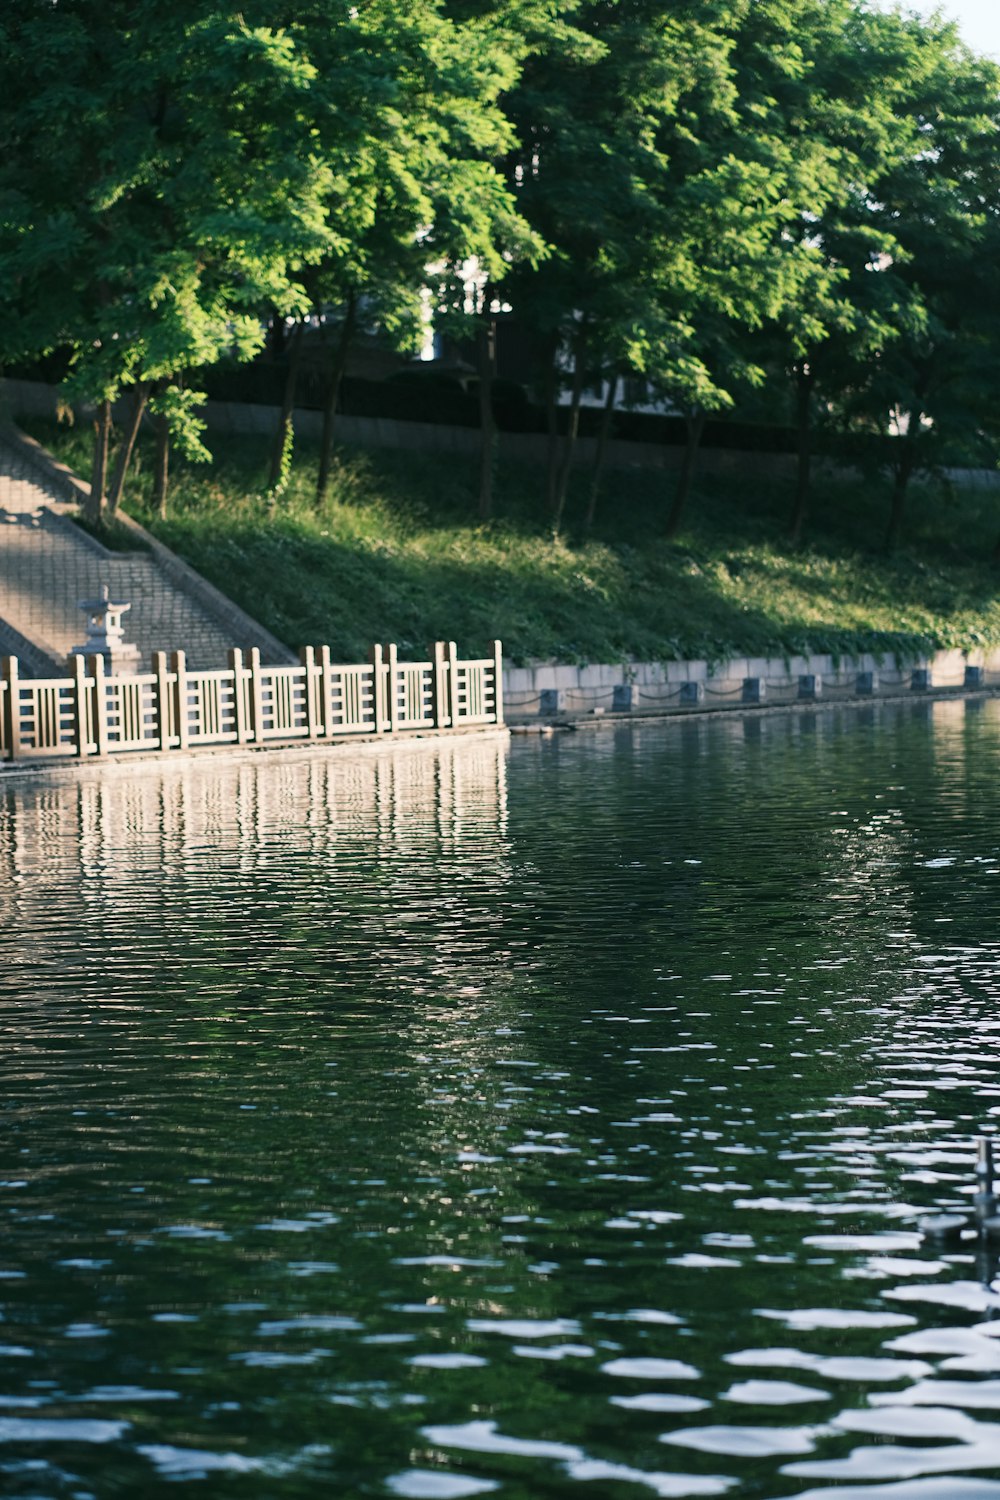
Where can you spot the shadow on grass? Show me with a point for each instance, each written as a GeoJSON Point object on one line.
{"type": "Point", "coordinates": [399, 555]}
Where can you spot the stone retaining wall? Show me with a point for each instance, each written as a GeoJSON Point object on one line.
{"type": "Point", "coordinates": [551, 690]}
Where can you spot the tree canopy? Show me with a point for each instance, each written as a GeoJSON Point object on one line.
{"type": "Point", "coordinates": [712, 195]}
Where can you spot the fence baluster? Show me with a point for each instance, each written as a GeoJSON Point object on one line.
{"type": "Point", "coordinates": [326, 692]}
{"type": "Point", "coordinates": [100, 702]}
{"type": "Point", "coordinates": [161, 701]}
{"type": "Point", "coordinates": [235, 660]}
{"type": "Point", "coordinates": [12, 707]}
{"type": "Point", "coordinates": [453, 709]}
{"type": "Point", "coordinates": [178, 665]}
{"type": "Point", "coordinates": [392, 673]}
{"type": "Point", "coordinates": [81, 727]}
{"type": "Point", "coordinates": [439, 698]}
{"type": "Point", "coordinates": [497, 651]}
{"type": "Point", "coordinates": [307, 656]}
{"type": "Point", "coordinates": [256, 695]}
{"type": "Point", "coordinates": [378, 689]}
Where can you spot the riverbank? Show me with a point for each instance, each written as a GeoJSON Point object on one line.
{"type": "Point", "coordinates": [396, 554]}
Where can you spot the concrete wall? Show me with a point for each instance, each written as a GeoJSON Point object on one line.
{"type": "Point", "coordinates": [583, 690]}
{"type": "Point", "coordinates": [33, 398]}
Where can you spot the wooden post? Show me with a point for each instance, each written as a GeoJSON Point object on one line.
{"type": "Point", "coordinates": [235, 658]}
{"type": "Point", "coordinates": [178, 665]}
{"type": "Point", "coordinates": [497, 650]}
{"type": "Point", "coordinates": [100, 701]}
{"type": "Point", "coordinates": [378, 689]}
{"type": "Point", "coordinates": [453, 683]}
{"type": "Point", "coordinates": [326, 692]}
{"type": "Point", "coordinates": [393, 690]}
{"type": "Point", "coordinates": [81, 725]}
{"type": "Point", "coordinates": [307, 656]}
{"type": "Point", "coordinates": [439, 691]}
{"type": "Point", "coordinates": [256, 696]}
{"type": "Point", "coordinates": [12, 707]}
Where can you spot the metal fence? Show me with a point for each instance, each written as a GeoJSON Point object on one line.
{"type": "Point", "coordinates": [92, 713]}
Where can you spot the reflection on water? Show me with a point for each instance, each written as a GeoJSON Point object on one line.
{"type": "Point", "coordinates": [468, 1121]}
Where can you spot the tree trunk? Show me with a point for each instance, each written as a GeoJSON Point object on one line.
{"type": "Point", "coordinates": [904, 468]}
{"type": "Point", "coordinates": [552, 423]}
{"type": "Point", "coordinates": [804, 382]}
{"type": "Point", "coordinates": [124, 457]}
{"type": "Point", "coordinates": [602, 443]}
{"type": "Point", "coordinates": [276, 335]}
{"type": "Point", "coordinates": [695, 423]}
{"type": "Point", "coordinates": [99, 472]}
{"type": "Point", "coordinates": [161, 475]}
{"type": "Point", "coordinates": [572, 428]}
{"type": "Point", "coordinates": [487, 342]}
{"type": "Point", "coordinates": [333, 398]}
{"type": "Point", "coordinates": [284, 432]}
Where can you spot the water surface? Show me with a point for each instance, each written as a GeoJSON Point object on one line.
{"type": "Point", "coordinates": [534, 1123]}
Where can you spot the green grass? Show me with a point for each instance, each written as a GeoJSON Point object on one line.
{"type": "Point", "coordinates": [397, 555]}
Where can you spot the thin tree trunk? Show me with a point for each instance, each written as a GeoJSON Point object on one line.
{"type": "Point", "coordinates": [487, 342]}
{"type": "Point", "coordinates": [572, 429]}
{"type": "Point", "coordinates": [804, 382]}
{"type": "Point", "coordinates": [333, 398]}
{"type": "Point", "coordinates": [904, 472]}
{"type": "Point", "coordinates": [695, 423]}
{"type": "Point", "coordinates": [276, 335]}
{"type": "Point", "coordinates": [124, 457]}
{"type": "Point", "coordinates": [602, 443]}
{"type": "Point", "coordinates": [552, 423]}
{"type": "Point", "coordinates": [99, 472]}
{"type": "Point", "coordinates": [283, 434]}
{"type": "Point", "coordinates": [161, 475]}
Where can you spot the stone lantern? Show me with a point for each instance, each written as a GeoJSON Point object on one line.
{"type": "Point", "coordinates": [105, 635]}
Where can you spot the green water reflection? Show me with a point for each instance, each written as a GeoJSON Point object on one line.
{"type": "Point", "coordinates": [518, 1122]}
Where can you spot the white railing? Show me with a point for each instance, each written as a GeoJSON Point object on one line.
{"type": "Point", "coordinates": [171, 708]}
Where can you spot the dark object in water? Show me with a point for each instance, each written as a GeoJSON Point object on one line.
{"type": "Point", "coordinates": [984, 1201]}
{"type": "Point", "coordinates": [943, 1226]}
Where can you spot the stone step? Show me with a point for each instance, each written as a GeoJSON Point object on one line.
{"type": "Point", "coordinates": [48, 565]}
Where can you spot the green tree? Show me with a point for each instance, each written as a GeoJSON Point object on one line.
{"type": "Point", "coordinates": [938, 208]}
{"type": "Point", "coordinates": [409, 119]}
{"type": "Point", "coordinates": [158, 184]}
{"type": "Point", "coordinates": [665, 166]}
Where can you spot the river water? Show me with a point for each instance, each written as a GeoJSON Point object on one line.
{"type": "Point", "coordinates": [535, 1121]}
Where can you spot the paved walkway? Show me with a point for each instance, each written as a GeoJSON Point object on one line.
{"type": "Point", "coordinates": [47, 565]}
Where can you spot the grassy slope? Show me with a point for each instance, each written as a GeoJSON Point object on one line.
{"type": "Point", "coordinates": [397, 555]}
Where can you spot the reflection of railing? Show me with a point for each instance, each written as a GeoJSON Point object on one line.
{"type": "Point", "coordinates": [170, 708]}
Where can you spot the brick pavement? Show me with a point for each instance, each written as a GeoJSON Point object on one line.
{"type": "Point", "coordinates": [47, 565]}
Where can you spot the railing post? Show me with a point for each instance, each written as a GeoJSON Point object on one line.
{"type": "Point", "coordinates": [100, 702]}
{"type": "Point", "coordinates": [439, 698]}
{"type": "Point", "coordinates": [307, 657]}
{"type": "Point", "coordinates": [256, 696]}
{"type": "Point", "coordinates": [497, 652]}
{"type": "Point", "coordinates": [235, 659]}
{"type": "Point", "coordinates": [453, 712]}
{"type": "Point", "coordinates": [378, 689]}
{"type": "Point", "coordinates": [393, 677]}
{"type": "Point", "coordinates": [326, 692]}
{"type": "Point", "coordinates": [81, 724]}
{"type": "Point", "coordinates": [12, 707]}
{"type": "Point", "coordinates": [178, 665]}
{"type": "Point", "coordinates": [161, 699]}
